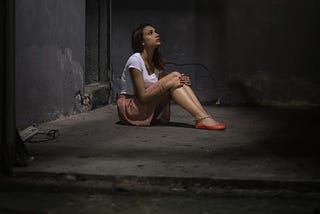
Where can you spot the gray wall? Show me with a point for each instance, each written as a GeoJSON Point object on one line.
{"type": "Point", "coordinates": [236, 51]}
{"type": "Point", "coordinates": [8, 141]}
{"type": "Point", "coordinates": [50, 58]}
{"type": "Point", "coordinates": [256, 52]}
{"type": "Point", "coordinates": [270, 51]}
{"type": "Point", "coordinates": [97, 41]}
{"type": "Point", "coordinates": [177, 25]}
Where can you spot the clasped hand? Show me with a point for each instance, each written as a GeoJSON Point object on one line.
{"type": "Point", "coordinates": [185, 80]}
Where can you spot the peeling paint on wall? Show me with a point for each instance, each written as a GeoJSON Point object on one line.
{"type": "Point", "coordinates": [76, 73]}
{"type": "Point", "coordinates": [50, 58]}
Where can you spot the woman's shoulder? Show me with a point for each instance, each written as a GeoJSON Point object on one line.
{"type": "Point", "coordinates": [135, 56]}
{"type": "Point", "coordinates": [135, 61]}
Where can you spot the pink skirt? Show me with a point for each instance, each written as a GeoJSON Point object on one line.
{"type": "Point", "coordinates": [132, 112]}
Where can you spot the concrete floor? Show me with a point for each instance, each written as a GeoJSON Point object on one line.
{"type": "Point", "coordinates": [264, 149]}
{"type": "Point", "coordinates": [124, 203]}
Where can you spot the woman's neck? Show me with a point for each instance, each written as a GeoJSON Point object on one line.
{"type": "Point", "coordinates": [147, 55]}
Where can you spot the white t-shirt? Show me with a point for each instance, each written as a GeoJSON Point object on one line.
{"type": "Point", "coordinates": [136, 61]}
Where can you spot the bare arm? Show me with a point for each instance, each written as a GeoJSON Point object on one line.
{"type": "Point", "coordinates": [146, 96]}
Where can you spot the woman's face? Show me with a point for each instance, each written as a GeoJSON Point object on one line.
{"type": "Point", "coordinates": [151, 37]}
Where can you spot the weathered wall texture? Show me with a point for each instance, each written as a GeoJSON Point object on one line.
{"type": "Point", "coordinates": [246, 51]}
{"type": "Point", "coordinates": [97, 41]}
{"type": "Point", "coordinates": [50, 58]}
{"type": "Point", "coordinates": [177, 25]}
{"type": "Point", "coordinates": [270, 51]}
{"type": "Point", "coordinates": [236, 51]}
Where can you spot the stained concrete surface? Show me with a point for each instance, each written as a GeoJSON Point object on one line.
{"type": "Point", "coordinates": [264, 151]}
{"type": "Point", "coordinates": [259, 143]}
{"type": "Point", "coordinates": [124, 203]}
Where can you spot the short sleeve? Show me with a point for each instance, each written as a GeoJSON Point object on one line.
{"type": "Point", "coordinates": [134, 62]}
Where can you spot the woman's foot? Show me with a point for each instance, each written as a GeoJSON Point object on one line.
{"type": "Point", "coordinates": [207, 122]}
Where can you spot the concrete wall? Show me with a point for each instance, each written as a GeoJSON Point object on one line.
{"type": "Point", "coordinates": [92, 41]}
{"type": "Point", "coordinates": [8, 141]}
{"type": "Point", "coordinates": [50, 58]}
{"type": "Point", "coordinates": [177, 24]}
{"type": "Point", "coordinates": [248, 52]}
{"type": "Point", "coordinates": [97, 41]}
{"type": "Point", "coordinates": [236, 51]}
{"type": "Point", "coordinates": [270, 51]}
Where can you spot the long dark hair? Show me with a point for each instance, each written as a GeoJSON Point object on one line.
{"type": "Point", "coordinates": [136, 42]}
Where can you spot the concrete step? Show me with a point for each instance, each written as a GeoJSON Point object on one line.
{"type": "Point", "coordinates": [68, 182]}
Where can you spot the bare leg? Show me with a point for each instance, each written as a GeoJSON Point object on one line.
{"type": "Point", "coordinates": [194, 98]}
{"type": "Point", "coordinates": [185, 97]}
{"type": "Point", "coordinates": [182, 98]}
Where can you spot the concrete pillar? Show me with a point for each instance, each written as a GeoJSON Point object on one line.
{"type": "Point", "coordinates": [7, 90]}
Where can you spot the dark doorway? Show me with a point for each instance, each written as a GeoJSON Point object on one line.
{"type": "Point", "coordinates": [98, 19]}
{"type": "Point", "coordinates": [8, 146]}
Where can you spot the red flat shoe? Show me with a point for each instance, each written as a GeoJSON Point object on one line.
{"type": "Point", "coordinates": [219, 126]}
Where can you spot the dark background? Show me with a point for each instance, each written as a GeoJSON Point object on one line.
{"type": "Point", "coordinates": [237, 52]}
